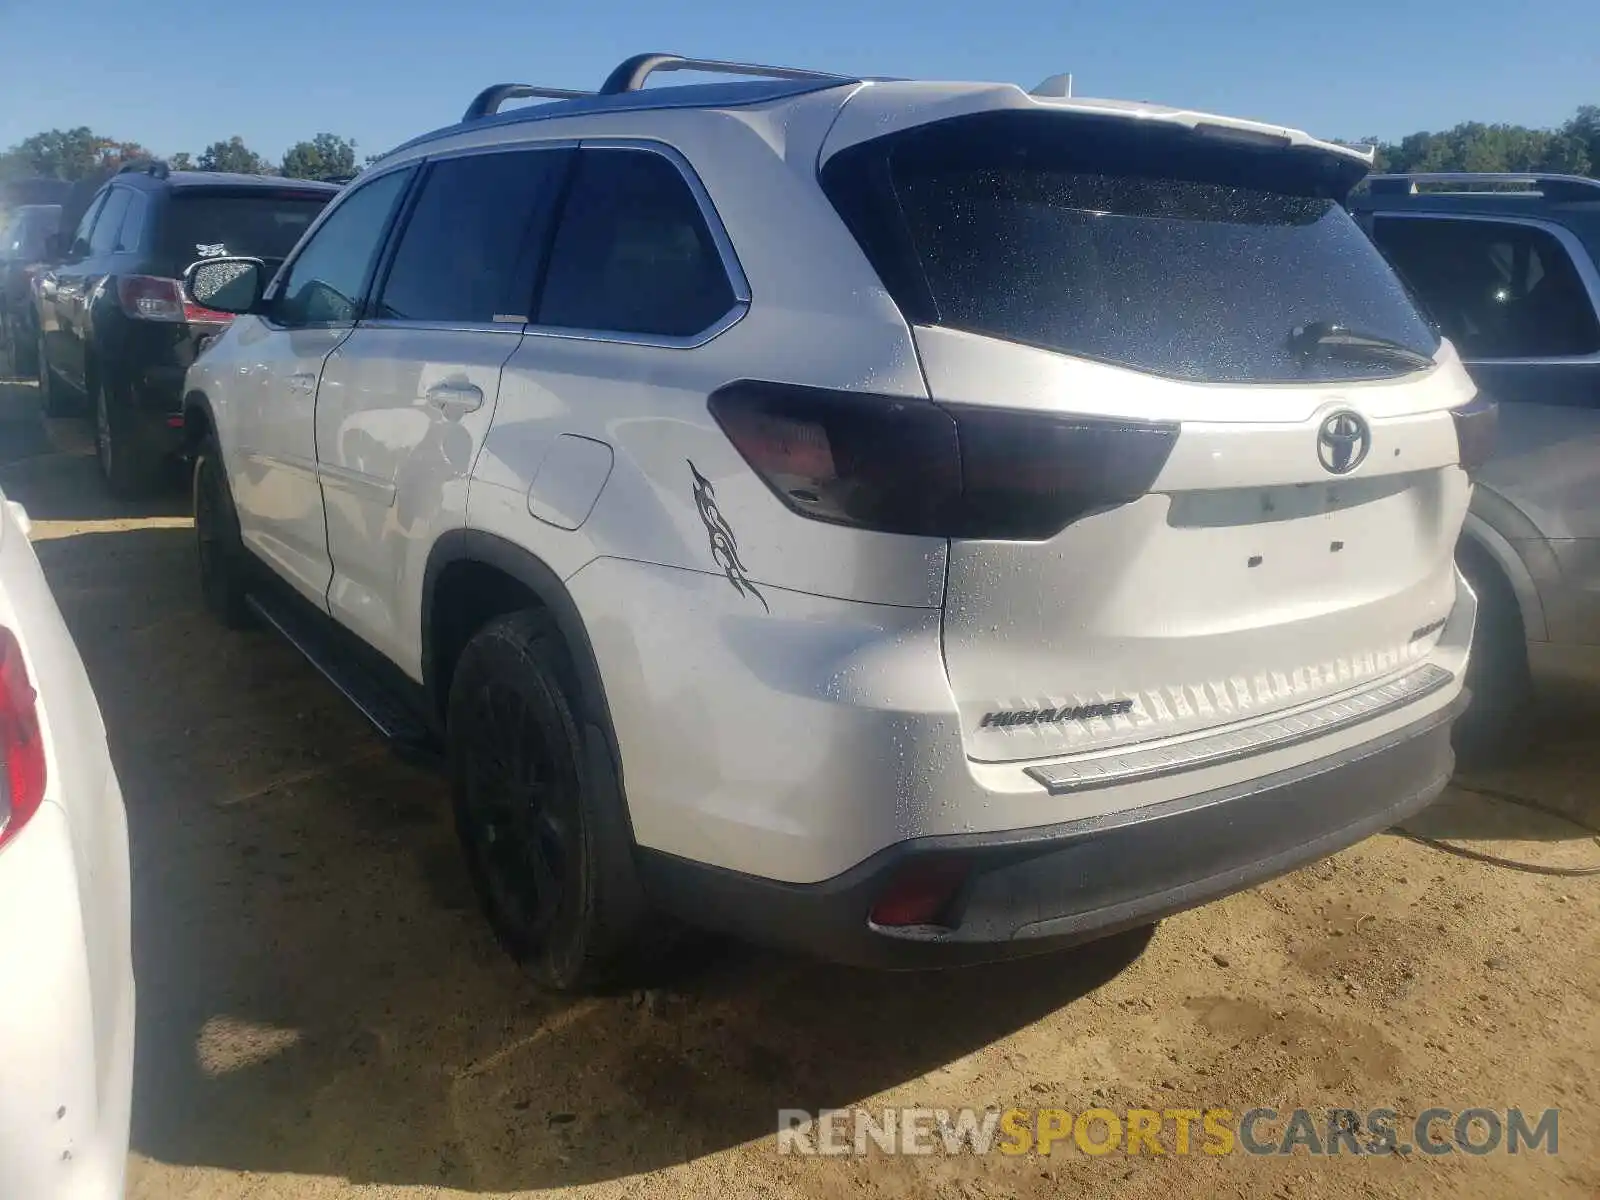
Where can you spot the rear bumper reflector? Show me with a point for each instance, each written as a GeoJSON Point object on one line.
{"type": "Point", "coordinates": [1108, 770]}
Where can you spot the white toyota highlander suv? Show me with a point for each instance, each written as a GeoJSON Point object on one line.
{"type": "Point", "coordinates": [916, 522]}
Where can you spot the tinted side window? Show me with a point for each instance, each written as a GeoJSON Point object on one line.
{"type": "Point", "coordinates": [326, 283]}
{"type": "Point", "coordinates": [1496, 289]}
{"type": "Point", "coordinates": [108, 229]}
{"type": "Point", "coordinates": [80, 237]}
{"type": "Point", "coordinates": [469, 249]}
{"type": "Point", "coordinates": [633, 253]}
{"type": "Point", "coordinates": [132, 235]}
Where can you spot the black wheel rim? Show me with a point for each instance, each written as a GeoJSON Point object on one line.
{"type": "Point", "coordinates": [521, 812]}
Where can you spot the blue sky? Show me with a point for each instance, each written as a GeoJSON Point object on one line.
{"type": "Point", "coordinates": [178, 74]}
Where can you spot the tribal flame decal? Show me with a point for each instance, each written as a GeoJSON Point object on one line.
{"type": "Point", "coordinates": [724, 548]}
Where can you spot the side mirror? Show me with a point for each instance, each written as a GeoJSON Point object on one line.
{"type": "Point", "coordinates": [227, 285]}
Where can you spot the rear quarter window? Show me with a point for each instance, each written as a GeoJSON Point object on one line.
{"type": "Point", "coordinates": [633, 253]}
{"type": "Point", "coordinates": [1162, 251]}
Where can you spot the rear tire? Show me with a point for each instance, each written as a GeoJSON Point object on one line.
{"type": "Point", "coordinates": [127, 465]}
{"type": "Point", "coordinates": [53, 398]}
{"type": "Point", "coordinates": [219, 548]}
{"type": "Point", "coordinates": [22, 351]}
{"type": "Point", "coordinates": [552, 870]}
{"type": "Point", "coordinates": [1497, 724]}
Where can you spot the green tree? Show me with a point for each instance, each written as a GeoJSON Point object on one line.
{"type": "Point", "coordinates": [181, 161]}
{"type": "Point", "coordinates": [1474, 146]}
{"type": "Point", "coordinates": [70, 154]}
{"type": "Point", "coordinates": [1571, 155]}
{"type": "Point", "coordinates": [325, 156]}
{"type": "Point", "coordinates": [233, 155]}
{"type": "Point", "coordinates": [1585, 127]}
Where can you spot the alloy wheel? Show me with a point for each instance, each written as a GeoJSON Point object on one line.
{"type": "Point", "coordinates": [522, 813]}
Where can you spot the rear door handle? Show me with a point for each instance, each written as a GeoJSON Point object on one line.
{"type": "Point", "coordinates": [455, 400]}
{"type": "Point", "coordinates": [303, 383]}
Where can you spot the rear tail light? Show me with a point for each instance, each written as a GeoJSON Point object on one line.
{"type": "Point", "coordinates": [1476, 423]}
{"type": "Point", "coordinates": [153, 298]}
{"type": "Point", "coordinates": [934, 470]}
{"type": "Point", "coordinates": [21, 741]}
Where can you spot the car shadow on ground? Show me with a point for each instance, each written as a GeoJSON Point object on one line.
{"type": "Point", "coordinates": [1545, 793]}
{"type": "Point", "coordinates": [317, 993]}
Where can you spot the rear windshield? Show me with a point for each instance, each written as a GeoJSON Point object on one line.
{"type": "Point", "coordinates": [255, 224]}
{"type": "Point", "coordinates": [1189, 257]}
{"type": "Point", "coordinates": [24, 236]}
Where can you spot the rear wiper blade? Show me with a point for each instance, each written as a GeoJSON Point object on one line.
{"type": "Point", "coordinates": [1329, 337]}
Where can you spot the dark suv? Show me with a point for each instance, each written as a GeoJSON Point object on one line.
{"type": "Point", "coordinates": [24, 244]}
{"type": "Point", "coordinates": [115, 332]}
{"type": "Point", "coordinates": [1508, 267]}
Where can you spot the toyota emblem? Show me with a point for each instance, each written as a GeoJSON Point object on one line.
{"type": "Point", "coordinates": [1343, 442]}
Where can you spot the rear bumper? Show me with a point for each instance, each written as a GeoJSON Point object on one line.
{"type": "Point", "coordinates": [149, 361]}
{"type": "Point", "coordinates": [1033, 890]}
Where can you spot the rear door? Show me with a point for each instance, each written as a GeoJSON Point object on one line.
{"type": "Point", "coordinates": [405, 402]}
{"type": "Point", "coordinates": [64, 295]}
{"type": "Point", "coordinates": [1297, 540]}
{"type": "Point", "coordinates": [94, 276]}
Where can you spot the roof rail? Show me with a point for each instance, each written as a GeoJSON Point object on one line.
{"type": "Point", "coordinates": [1550, 185]}
{"type": "Point", "coordinates": [487, 102]}
{"type": "Point", "coordinates": [631, 73]}
{"type": "Point", "coordinates": [155, 167]}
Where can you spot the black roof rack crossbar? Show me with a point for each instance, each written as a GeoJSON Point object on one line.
{"type": "Point", "coordinates": [487, 102]}
{"type": "Point", "coordinates": [155, 167]}
{"type": "Point", "coordinates": [630, 74]}
{"type": "Point", "coordinates": [1551, 185]}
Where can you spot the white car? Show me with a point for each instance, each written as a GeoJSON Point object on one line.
{"type": "Point", "coordinates": [917, 522]}
{"type": "Point", "coordinates": [66, 971]}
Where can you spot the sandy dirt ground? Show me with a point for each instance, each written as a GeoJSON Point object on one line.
{"type": "Point", "coordinates": [322, 1014]}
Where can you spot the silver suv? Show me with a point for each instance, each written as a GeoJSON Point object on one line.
{"type": "Point", "coordinates": [1509, 268]}
{"type": "Point", "coordinates": [916, 522]}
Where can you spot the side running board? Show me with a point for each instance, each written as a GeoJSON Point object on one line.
{"type": "Point", "coordinates": [396, 721]}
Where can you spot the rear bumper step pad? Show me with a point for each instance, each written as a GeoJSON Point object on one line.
{"type": "Point", "coordinates": [1209, 750]}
